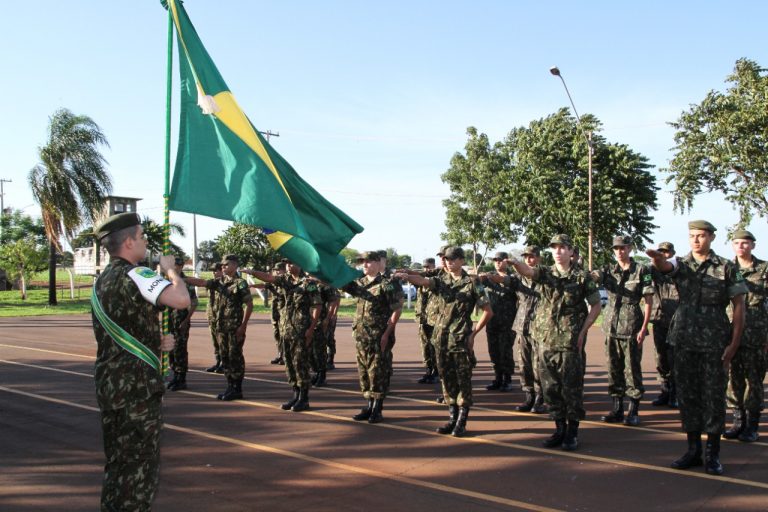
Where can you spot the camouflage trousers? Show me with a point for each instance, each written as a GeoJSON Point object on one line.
{"type": "Point", "coordinates": [178, 358]}
{"type": "Point", "coordinates": [562, 382]}
{"type": "Point", "coordinates": [427, 349]}
{"type": "Point", "coordinates": [276, 336]}
{"type": "Point", "coordinates": [231, 353]}
{"type": "Point", "coordinates": [665, 354]}
{"type": "Point", "coordinates": [132, 447]}
{"type": "Point", "coordinates": [625, 376]}
{"type": "Point", "coordinates": [319, 351]}
{"type": "Point", "coordinates": [529, 364]}
{"type": "Point", "coordinates": [330, 338]}
{"type": "Point", "coordinates": [297, 361]}
{"type": "Point", "coordinates": [745, 380]}
{"type": "Point", "coordinates": [501, 341]}
{"type": "Point", "coordinates": [700, 381]}
{"type": "Point", "coordinates": [455, 369]}
{"type": "Point", "coordinates": [214, 340]}
{"type": "Point", "coordinates": [373, 370]}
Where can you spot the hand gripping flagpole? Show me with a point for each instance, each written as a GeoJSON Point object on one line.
{"type": "Point", "coordinates": [166, 194]}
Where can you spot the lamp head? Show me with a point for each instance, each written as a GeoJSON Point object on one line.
{"type": "Point", "coordinates": [554, 70]}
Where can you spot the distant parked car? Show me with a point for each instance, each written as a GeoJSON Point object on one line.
{"type": "Point", "coordinates": [409, 291]}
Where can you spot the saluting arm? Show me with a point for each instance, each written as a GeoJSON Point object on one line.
{"type": "Point", "coordinates": [521, 267]}
{"type": "Point", "coordinates": [176, 295]}
{"type": "Point", "coordinates": [260, 275]}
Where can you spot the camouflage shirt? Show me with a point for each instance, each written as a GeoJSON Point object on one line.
{"type": "Point", "coordinates": [527, 297]}
{"type": "Point", "coordinates": [211, 309]}
{"type": "Point", "coordinates": [562, 307]}
{"type": "Point", "coordinates": [301, 295]}
{"type": "Point", "coordinates": [122, 378]}
{"type": "Point", "coordinates": [503, 302]}
{"type": "Point", "coordinates": [433, 300]}
{"type": "Point", "coordinates": [179, 315]}
{"type": "Point", "coordinates": [328, 295]}
{"type": "Point", "coordinates": [277, 300]}
{"type": "Point", "coordinates": [232, 293]}
{"type": "Point", "coordinates": [458, 298]}
{"type": "Point", "coordinates": [623, 316]}
{"type": "Point", "coordinates": [377, 299]}
{"type": "Point", "coordinates": [700, 323]}
{"type": "Point", "coordinates": [756, 325]}
{"type": "Point", "coordinates": [665, 298]}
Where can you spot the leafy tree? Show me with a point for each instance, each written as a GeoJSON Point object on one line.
{"type": "Point", "coordinates": [722, 145]}
{"type": "Point", "coordinates": [155, 237]}
{"type": "Point", "coordinates": [350, 255]}
{"type": "Point", "coordinates": [71, 181]}
{"type": "Point", "coordinates": [546, 169]}
{"type": "Point", "coordinates": [249, 243]}
{"type": "Point", "coordinates": [85, 238]}
{"type": "Point", "coordinates": [208, 252]}
{"type": "Point", "coordinates": [22, 257]}
{"type": "Point", "coordinates": [475, 208]}
{"type": "Point", "coordinates": [17, 226]}
{"type": "Point", "coordinates": [395, 260]}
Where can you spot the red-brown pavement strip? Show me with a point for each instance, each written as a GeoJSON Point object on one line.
{"type": "Point", "coordinates": [252, 477]}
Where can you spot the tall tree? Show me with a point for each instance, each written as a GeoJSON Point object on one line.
{"type": "Point", "coordinates": [17, 226]}
{"type": "Point", "coordinates": [20, 258]}
{"type": "Point", "coordinates": [207, 252]}
{"type": "Point", "coordinates": [722, 145]}
{"type": "Point", "coordinates": [155, 237]}
{"type": "Point", "coordinates": [249, 243]}
{"type": "Point", "coordinates": [546, 169]}
{"type": "Point", "coordinates": [71, 182]}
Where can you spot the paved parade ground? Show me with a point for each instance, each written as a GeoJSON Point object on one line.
{"type": "Point", "coordinates": [250, 455]}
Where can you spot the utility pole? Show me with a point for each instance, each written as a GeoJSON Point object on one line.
{"type": "Point", "coordinates": [269, 134]}
{"type": "Point", "coordinates": [2, 204]}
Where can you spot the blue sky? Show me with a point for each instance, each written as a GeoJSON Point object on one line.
{"type": "Point", "coordinates": [371, 100]}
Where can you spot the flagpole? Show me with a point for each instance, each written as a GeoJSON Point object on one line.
{"type": "Point", "coordinates": [166, 193]}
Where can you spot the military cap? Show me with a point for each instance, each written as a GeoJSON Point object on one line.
{"type": "Point", "coordinates": [178, 260]}
{"type": "Point", "coordinates": [500, 256]}
{"type": "Point", "coordinates": [621, 241]}
{"type": "Point", "coordinates": [217, 266]}
{"type": "Point", "coordinates": [429, 261]}
{"type": "Point", "coordinates": [561, 239]}
{"type": "Point", "coordinates": [454, 252]}
{"type": "Point", "coordinates": [531, 250]}
{"type": "Point", "coordinates": [369, 256]}
{"type": "Point", "coordinates": [231, 257]}
{"type": "Point", "coordinates": [667, 246]}
{"type": "Point", "coordinates": [702, 224]}
{"type": "Point", "coordinates": [382, 254]}
{"type": "Point", "coordinates": [743, 234]}
{"type": "Point", "coordinates": [443, 248]}
{"type": "Point", "coordinates": [116, 223]}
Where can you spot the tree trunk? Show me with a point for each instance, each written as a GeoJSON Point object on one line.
{"type": "Point", "coordinates": [52, 275]}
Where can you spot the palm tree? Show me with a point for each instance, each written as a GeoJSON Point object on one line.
{"type": "Point", "coordinates": [155, 237]}
{"type": "Point", "coordinates": [70, 183]}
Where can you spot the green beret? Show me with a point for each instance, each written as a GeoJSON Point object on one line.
{"type": "Point", "coordinates": [116, 223]}
{"type": "Point", "coordinates": [743, 234]}
{"type": "Point", "coordinates": [561, 239]}
{"type": "Point", "coordinates": [531, 250]}
{"type": "Point", "coordinates": [454, 252]}
{"type": "Point", "coordinates": [621, 241]}
{"type": "Point", "coordinates": [702, 224]}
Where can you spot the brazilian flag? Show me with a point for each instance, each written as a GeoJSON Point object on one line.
{"type": "Point", "coordinates": [227, 170]}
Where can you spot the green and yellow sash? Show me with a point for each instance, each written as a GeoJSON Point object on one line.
{"type": "Point", "coordinates": [123, 338]}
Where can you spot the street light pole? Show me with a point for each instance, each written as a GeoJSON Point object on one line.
{"type": "Point", "coordinates": [588, 136]}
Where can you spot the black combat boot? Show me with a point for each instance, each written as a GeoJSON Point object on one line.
{"type": "Point", "coordinates": [538, 405]}
{"type": "Point", "coordinates": [527, 404]}
{"type": "Point", "coordinates": [278, 359]}
{"type": "Point", "coordinates": [453, 415]}
{"type": "Point", "coordinates": [461, 422]}
{"type": "Point", "coordinates": [172, 383]}
{"type": "Point", "coordinates": [496, 383]}
{"type": "Point", "coordinates": [672, 396]}
{"type": "Point", "coordinates": [749, 434]}
{"type": "Point", "coordinates": [302, 404]}
{"type": "Point", "coordinates": [571, 438]}
{"type": "Point", "coordinates": [287, 405]}
{"type": "Point", "coordinates": [440, 399]}
{"type": "Point", "coordinates": [435, 377]}
{"type": "Point", "coordinates": [215, 366]}
{"type": "Point", "coordinates": [329, 365]}
{"type": "Point", "coordinates": [617, 411]}
{"type": "Point", "coordinates": [426, 378]}
{"type": "Point", "coordinates": [633, 419]}
{"type": "Point", "coordinates": [376, 416]}
{"type": "Point", "coordinates": [556, 439]}
{"type": "Point", "coordinates": [365, 412]}
{"type": "Point", "coordinates": [230, 384]}
{"type": "Point", "coordinates": [178, 383]}
{"type": "Point", "coordinates": [738, 425]}
{"type": "Point", "coordinates": [313, 381]}
{"type": "Point", "coordinates": [236, 392]}
{"type": "Point", "coordinates": [220, 368]}
{"type": "Point", "coordinates": [506, 383]}
{"type": "Point", "coordinates": [693, 456]}
{"type": "Point", "coordinates": [321, 381]}
{"type": "Point", "coordinates": [663, 398]}
{"type": "Point", "coordinates": [712, 455]}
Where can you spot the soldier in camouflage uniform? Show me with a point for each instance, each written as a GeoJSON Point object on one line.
{"type": "Point", "coordinates": [454, 336]}
{"type": "Point", "coordinates": [501, 338]}
{"type": "Point", "coordinates": [330, 299]}
{"type": "Point", "coordinates": [277, 305]}
{"type": "Point", "coordinates": [379, 304]}
{"type": "Point", "coordinates": [560, 328]}
{"type": "Point", "coordinates": [625, 325]}
{"type": "Point", "coordinates": [425, 327]}
{"type": "Point", "coordinates": [665, 301]}
{"type": "Point", "coordinates": [211, 311]}
{"type": "Point", "coordinates": [745, 379]}
{"type": "Point", "coordinates": [179, 326]}
{"type": "Point", "coordinates": [330, 336]}
{"type": "Point", "coordinates": [298, 320]}
{"type": "Point", "coordinates": [128, 372]}
{"type": "Point", "coordinates": [234, 306]}
{"type": "Point", "coordinates": [704, 339]}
